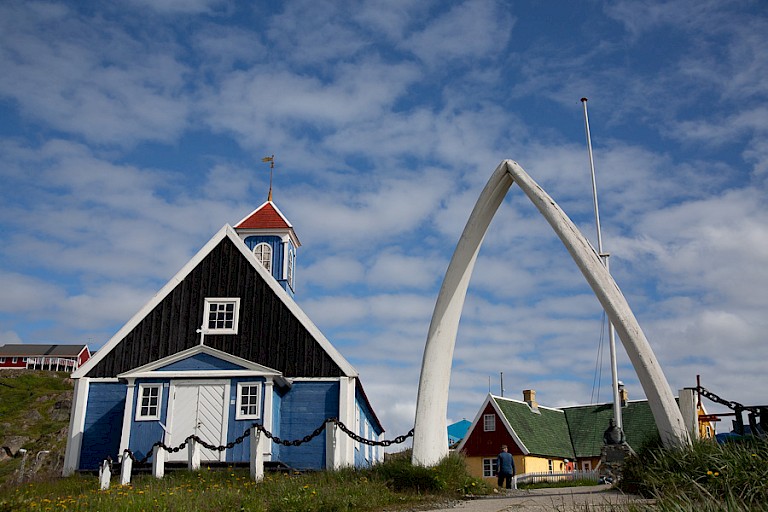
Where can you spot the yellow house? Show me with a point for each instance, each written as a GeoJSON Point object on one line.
{"type": "Point", "coordinates": [537, 437]}
{"type": "Point", "coordinates": [544, 439]}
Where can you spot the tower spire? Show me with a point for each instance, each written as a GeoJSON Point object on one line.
{"type": "Point", "coordinates": [271, 160]}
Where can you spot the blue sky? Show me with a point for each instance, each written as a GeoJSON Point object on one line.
{"type": "Point", "coordinates": [131, 132]}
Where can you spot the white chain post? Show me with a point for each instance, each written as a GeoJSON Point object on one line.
{"type": "Point", "coordinates": [105, 474]}
{"type": "Point", "coordinates": [256, 456]}
{"type": "Point", "coordinates": [126, 466]}
{"type": "Point", "coordinates": [193, 455]}
{"type": "Point", "coordinates": [158, 462]}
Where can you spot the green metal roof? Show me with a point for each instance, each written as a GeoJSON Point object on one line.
{"type": "Point", "coordinates": [545, 433]}
{"type": "Point", "coordinates": [587, 423]}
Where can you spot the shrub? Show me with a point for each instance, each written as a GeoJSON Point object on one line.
{"type": "Point", "coordinates": [705, 475]}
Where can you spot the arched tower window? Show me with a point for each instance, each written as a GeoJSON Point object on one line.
{"type": "Point", "coordinates": [263, 253]}
{"type": "Point", "coordinates": [291, 267]}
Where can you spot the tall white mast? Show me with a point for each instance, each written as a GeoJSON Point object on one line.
{"type": "Point", "coordinates": [604, 256]}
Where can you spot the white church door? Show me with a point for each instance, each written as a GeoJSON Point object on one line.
{"type": "Point", "coordinates": [198, 408]}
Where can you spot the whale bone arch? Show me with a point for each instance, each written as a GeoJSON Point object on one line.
{"type": "Point", "coordinates": [430, 442]}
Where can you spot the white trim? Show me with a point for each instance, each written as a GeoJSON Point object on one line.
{"type": "Point", "coordinates": [209, 301]}
{"type": "Point", "coordinates": [158, 407]}
{"type": "Point", "coordinates": [250, 369]}
{"type": "Point", "coordinates": [125, 436]}
{"type": "Point", "coordinates": [347, 406]}
{"type": "Point", "coordinates": [269, 390]}
{"type": "Point", "coordinates": [239, 415]}
{"type": "Point", "coordinates": [76, 427]}
{"type": "Point", "coordinates": [225, 232]}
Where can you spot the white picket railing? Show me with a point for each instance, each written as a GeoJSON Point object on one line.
{"type": "Point", "coordinates": [532, 478]}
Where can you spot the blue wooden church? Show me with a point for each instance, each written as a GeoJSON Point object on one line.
{"type": "Point", "coordinates": [221, 346]}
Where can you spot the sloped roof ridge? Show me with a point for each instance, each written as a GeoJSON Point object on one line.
{"type": "Point", "coordinates": [603, 403]}
{"type": "Point", "coordinates": [263, 205]}
{"type": "Point", "coordinates": [522, 402]}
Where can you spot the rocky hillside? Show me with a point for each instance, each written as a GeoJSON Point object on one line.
{"type": "Point", "coordinates": [34, 415]}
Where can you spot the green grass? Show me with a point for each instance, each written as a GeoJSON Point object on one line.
{"type": "Point", "coordinates": [27, 400]}
{"type": "Point", "coordinates": [33, 391]}
{"type": "Point", "coordinates": [392, 486]}
{"type": "Point", "coordinates": [706, 476]}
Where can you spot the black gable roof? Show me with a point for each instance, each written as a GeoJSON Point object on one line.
{"type": "Point", "coordinates": [269, 332]}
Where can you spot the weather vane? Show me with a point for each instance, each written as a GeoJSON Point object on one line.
{"type": "Point", "coordinates": [271, 160]}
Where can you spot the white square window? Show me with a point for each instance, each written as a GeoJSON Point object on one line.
{"type": "Point", "coordinates": [489, 422]}
{"type": "Point", "coordinates": [490, 467]}
{"type": "Point", "coordinates": [221, 316]}
{"type": "Point", "coordinates": [2, 359]}
{"type": "Point", "coordinates": [150, 399]}
{"type": "Point", "coordinates": [15, 360]}
{"type": "Point", "coordinates": [248, 401]}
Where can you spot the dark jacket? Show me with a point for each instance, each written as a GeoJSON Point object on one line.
{"type": "Point", "coordinates": [505, 463]}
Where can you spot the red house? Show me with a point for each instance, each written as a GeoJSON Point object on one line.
{"type": "Point", "coordinates": [57, 358]}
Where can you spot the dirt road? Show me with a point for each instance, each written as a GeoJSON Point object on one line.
{"type": "Point", "coordinates": [565, 499]}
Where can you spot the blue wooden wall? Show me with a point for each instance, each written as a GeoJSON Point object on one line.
{"type": "Point", "coordinates": [200, 362]}
{"type": "Point", "coordinates": [235, 428]}
{"type": "Point", "coordinates": [146, 433]}
{"type": "Point", "coordinates": [277, 252]}
{"type": "Point", "coordinates": [103, 423]}
{"type": "Point", "coordinates": [304, 408]}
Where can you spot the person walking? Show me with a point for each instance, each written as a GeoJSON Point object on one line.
{"type": "Point", "coordinates": [506, 467]}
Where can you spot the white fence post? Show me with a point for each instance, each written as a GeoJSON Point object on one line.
{"type": "Point", "coordinates": [158, 462]}
{"type": "Point", "coordinates": [105, 474]}
{"type": "Point", "coordinates": [331, 446]}
{"type": "Point", "coordinates": [193, 455]}
{"type": "Point", "coordinates": [126, 465]}
{"type": "Point", "coordinates": [257, 455]}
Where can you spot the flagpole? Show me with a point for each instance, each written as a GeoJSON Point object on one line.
{"type": "Point", "coordinates": [604, 257]}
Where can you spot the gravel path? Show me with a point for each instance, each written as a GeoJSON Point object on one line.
{"type": "Point", "coordinates": [564, 499]}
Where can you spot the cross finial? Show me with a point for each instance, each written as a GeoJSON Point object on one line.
{"type": "Point", "coordinates": [271, 160]}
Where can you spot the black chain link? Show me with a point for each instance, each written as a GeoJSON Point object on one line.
{"type": "Point", "coordinates": [275, 439]}
{"type": "Point", "coordinates": [735, 406]}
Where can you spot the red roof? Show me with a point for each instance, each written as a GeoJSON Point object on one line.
{"type": "Point", "coordinates": [266, 216]}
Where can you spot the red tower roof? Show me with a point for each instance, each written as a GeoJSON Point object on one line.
{"type": "Point", "coordinates": [268, 217]}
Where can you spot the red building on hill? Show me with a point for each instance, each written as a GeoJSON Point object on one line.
{"type": "Point", "coordinates": [58, 358]}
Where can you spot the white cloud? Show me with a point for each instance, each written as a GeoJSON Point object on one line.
{"type": "Point", "coordinates": [99, 89]}
{"type": "Point", "coordinates": [471, 30]}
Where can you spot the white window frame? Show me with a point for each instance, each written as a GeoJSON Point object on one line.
{"type": "Point", "coordinates": [263, 255]}
{"type": "Point", "coordinates": [550, 466]}
{"type": "Point", "coordinates": [139, 405]}
{"type": "Point", "coordinates": [235, 318]}
{"type": "Point", "coordinates": [2, 360]}
{"type": "Point", "coordinates": [489, 423]}
{"type": "Point", "coordinates": [239, 414]}
{"type": "Point", "coordinates": [586, 465]}
{"type": "Point", "coordinates": [14, 360]}
{"type": "Point", "coordinates": [490, 467]}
